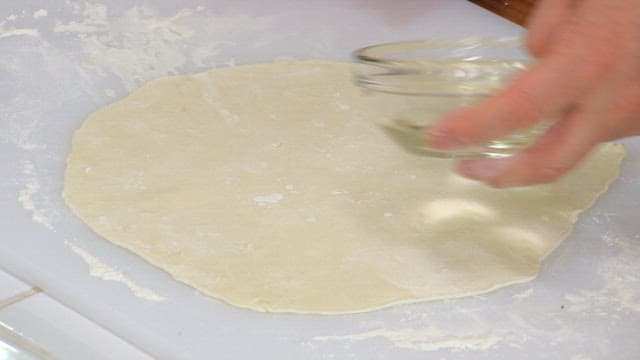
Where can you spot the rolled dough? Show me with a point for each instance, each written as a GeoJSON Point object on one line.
{"type": "Point", "coordinates": [269, 187]}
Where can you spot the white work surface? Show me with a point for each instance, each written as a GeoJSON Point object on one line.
{"type": "Point", "coordinates": [60, 62]}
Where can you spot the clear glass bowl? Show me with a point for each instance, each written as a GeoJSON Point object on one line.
{"type": "Point", "coordinates": [414, 84]}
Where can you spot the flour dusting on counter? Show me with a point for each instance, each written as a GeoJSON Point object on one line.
{"type": "Point", "coordinates": [40, 13]}
{"type": "Point", "coordinates": [25, 198]}
{"type": "Point", "coordinates": [18, 32]}
{"type": "Point", "coordinates": [523, 295]}
{"type": "Point", "coordinates": [27, 193]}
{"type": "Point", "coordinates": [426, 339]}
{"type": "Point", "coordinates": [101, 270]}
{"type": "Point", "coordinates": [142, 44]}
{"type": "Point", "coordinates": [619, 281]}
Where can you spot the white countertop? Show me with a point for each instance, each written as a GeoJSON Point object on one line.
{"type": "Point", "coordinates": [57, 64]}
{"type": "Point", "coordinates": [33, 325]}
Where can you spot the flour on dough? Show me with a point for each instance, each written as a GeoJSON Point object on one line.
{"type": "Point", "coordinates": [267, 186]}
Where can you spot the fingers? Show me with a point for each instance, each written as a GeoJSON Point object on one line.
{"type": "Point", "coordinates": [610, 112]}
{"type": "Point", "coordinates": [567, 73]}
{"type": "Point", "coordinates": [553, 155]}
{"type": "Point", "coordinates": [589, 57]}
{"type": "Point", "coordinates": [598, 117]}
{"type": "Point", "coordinates": [545, 24]}
{"type": "Point", "coordinates": [553, 85]}
{"type": "Point", "coordinates": [536, 94]}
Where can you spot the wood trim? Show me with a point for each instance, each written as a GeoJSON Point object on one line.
{"type": "Point", "coordinates": [514, 10]}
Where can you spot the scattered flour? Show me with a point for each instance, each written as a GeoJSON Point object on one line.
{"type": "Point", "coordinates": [580, 357]}
{"type": "Point", "coordinates": [21, 134]}
{"type": "Point", "coordinates": [26, 196]}
{"type": "Point", "coordinates": [141, 44]}
{"type": "Point", "coordinates": [268, 199]}
{"type": "Point", "coordinates": [620, 280]}
{"type": "Point", "coordinates": [4, 33]}
{"type": "Point", "coordinates": [7, 31]}
{"type": "Point", "coordinates": [523, 295]}
{"type": "Point", "coordinates": [425, 339]}
{"type": "Point", "coordinates": [40, 13]}
{"type": "Point", "coordinates": [31, 187]}
{"type": "Point", "coordinates": [101, 270]}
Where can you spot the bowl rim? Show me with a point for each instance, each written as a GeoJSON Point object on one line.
{"type": "Point", "coordinates": [375, 54]}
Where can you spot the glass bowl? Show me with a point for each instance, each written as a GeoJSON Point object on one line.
{"type": "Point", "coordinates": [414, 84]}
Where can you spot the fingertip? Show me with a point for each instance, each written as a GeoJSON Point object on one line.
{"type": "Point", "coordinates": [513, 171]}
{"type": "Point", "coordinates": [554, 155]}
{"type": "Point", "coordinates": [488, 171]}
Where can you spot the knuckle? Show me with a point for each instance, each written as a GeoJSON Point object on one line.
{"type": "Point", "coordinates": [601, 65]}
{"type": "Point", "coordinates": [576, 30]}
{"type": "Point", "coordinates": [525, 106]}
{"type": "Point", "coordinates": [535, 43]}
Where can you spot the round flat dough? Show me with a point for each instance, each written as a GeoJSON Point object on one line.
{"type": "Point", "coordinates": [269, 187]}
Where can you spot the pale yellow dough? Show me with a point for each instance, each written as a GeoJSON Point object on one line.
{"type": "Point", "coordinates": [269, 187]}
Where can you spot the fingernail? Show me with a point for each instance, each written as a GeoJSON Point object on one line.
{"type": "Point", "coordinates": [483, 170]}
{"type": "Point", "coordinates": [444, 141]}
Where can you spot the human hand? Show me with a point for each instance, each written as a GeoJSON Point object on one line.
{"type": "Point", "coordinates": [587, 76]}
